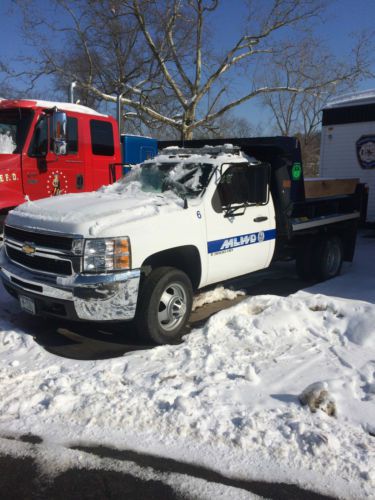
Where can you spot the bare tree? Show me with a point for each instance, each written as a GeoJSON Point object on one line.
{"type": "Point", "coordinates": [159, 56]}
{"type": "Point", "coordinates": [312, 66]}
{"type": "Point", "coordinates": [227, 126]}
{"type": "Point", "coordinates": [189, 78]}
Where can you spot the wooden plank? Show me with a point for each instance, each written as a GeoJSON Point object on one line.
{"type": "Point", "coordinates": [320, 188]}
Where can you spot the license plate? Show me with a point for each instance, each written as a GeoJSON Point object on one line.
{"type": "Point", "coordinates": [27, 304]}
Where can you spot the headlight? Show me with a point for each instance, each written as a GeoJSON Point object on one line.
{"type": "Point", "coordinates": [106, 254]}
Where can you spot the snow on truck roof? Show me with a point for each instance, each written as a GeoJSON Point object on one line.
{"type": "Point", "coordinates": [353, 99]}
{"type": "Point", "coordinates": [65, 106]}
{"type": "Point", "coordinates": [205, 153]}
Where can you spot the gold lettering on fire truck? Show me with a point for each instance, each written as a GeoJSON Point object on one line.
{"type": "Point", "coordinates": [8, 177]}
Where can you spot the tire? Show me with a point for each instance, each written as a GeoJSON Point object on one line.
{"type": "Point", "coordinates": [2, 220]}
{"type": "Point", "coordinates": [304, 262]}
{"type": "Point", "coordinates": [164, 305]}
{"type": "Point", "coordinates": [327, 260]}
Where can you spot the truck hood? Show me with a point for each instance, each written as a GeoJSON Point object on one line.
{"type": "Point", "coordinates": [92, 214]}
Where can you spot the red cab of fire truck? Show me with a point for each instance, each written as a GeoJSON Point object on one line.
{"type": "Point", "coordinates": [48, 148]}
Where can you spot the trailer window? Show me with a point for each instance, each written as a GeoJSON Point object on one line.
{"type": "Point", "coordinates": [14, 126]}
{"type": "Point", "coordinates": [102, 141]}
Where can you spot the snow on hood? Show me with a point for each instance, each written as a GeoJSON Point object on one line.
{"type": "Point", "coordinates": [122, 202]}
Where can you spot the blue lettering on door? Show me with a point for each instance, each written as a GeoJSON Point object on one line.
{"type": "Point", "coordinates": [240, 241]}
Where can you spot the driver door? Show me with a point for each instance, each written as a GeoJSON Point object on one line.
{"type": "Point", "coordinates": [240, 232]}
{"type": "Point", "coordinates": [44, 172]}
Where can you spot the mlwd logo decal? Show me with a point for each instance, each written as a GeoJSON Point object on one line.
{"type": "Point", "coordinates": [240, 241]}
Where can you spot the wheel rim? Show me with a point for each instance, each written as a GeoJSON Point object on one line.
{"type": "Point", "coordinates": [333, 260]}
{"type": "Point", "coordinates": [172, 307]}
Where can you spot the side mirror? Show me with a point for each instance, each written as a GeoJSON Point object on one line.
{"type": "Point", "coordinates": [59, 132]}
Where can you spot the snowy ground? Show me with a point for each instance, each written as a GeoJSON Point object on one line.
{"type": "Point", "coordinates": [226, 398]}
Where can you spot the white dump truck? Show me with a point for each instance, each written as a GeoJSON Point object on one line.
{"type": "Point", "coordinates": [191, 217]}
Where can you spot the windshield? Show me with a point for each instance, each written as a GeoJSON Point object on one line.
{"type": "Point", "coordinates": [14, 125]}
{"type": "Point", "coordinates": [185, 179]}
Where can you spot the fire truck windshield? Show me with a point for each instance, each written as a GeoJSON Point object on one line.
{"type": "Point", "coordinates": [14, 125]}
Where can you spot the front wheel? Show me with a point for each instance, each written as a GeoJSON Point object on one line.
{"type": "Point", "coordinates": [2, 220]}
{"type": "Point", "coordinates": [164, 305]}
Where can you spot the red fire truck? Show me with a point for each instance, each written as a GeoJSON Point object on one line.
{"type": "Point", "coordinates": [48, 148]}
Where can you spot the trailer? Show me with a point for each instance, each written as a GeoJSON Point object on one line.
{"type": "Point", "coordinates": [348, 143]}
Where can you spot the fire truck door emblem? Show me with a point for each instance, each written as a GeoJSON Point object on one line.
{"type": "Point", "coordinates": [57, 183]}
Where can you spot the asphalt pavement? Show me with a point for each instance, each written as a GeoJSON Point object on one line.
{"type": "Point", "coordinates": [21, 479]}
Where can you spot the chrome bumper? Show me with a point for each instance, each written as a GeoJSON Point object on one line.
{"type": "Point", "coordinates": [102, 297]}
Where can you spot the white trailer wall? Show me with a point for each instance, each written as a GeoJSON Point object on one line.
{"type": "Point", "coordinates": [338, 152]}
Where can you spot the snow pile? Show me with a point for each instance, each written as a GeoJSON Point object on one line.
{"type": "Point", "coordinates": [7, 144]}
{"type": "Point", "coordinates": [316, 397]}
{"type": "Point", "coordinates": [227, 397]}
{"type": "Point", "coordinates": [216, 295]}
{"type": "Point", "coordinates": [235, 383]}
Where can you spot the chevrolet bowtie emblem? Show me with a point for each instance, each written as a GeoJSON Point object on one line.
{"type": "Point", "coordinates": [28, 249]}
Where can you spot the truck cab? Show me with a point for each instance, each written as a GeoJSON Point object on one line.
{"type": "Point", "coordinates": [31, 167]}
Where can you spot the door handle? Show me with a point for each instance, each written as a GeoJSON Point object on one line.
{"type": "Point", "coordinates": [260, 219]}
{"type": "Point", "coordinates": [79, 181]}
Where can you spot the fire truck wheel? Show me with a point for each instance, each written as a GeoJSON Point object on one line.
{"type": "Point", "coordinates": [164, 305]}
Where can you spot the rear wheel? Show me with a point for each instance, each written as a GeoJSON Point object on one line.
{"type": "Point", "coordinates": [304, 262]}
{"type": "Point", "coordinates": [164, 305]}
{"type": "Point", "coordinates": [327, 260]}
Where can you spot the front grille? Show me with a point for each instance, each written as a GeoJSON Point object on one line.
{"type": "Point", "coordinates": [45, 264]}
{"type": "Point", "coordinates": [53, 253]}
{"type": "Point", "coordinates": [44, 240]}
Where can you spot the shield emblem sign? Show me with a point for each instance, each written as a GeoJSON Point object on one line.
{"type": "Point", "coordinates": [366, 151]}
